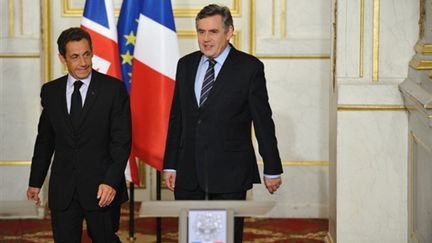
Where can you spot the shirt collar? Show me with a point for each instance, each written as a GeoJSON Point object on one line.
{"type": "Point", "coordinates": [219, 59]}
{"type": "Point", "coordinates": [71, 80]}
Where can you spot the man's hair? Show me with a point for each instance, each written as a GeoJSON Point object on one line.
{"type": "Point", "coordinates": [214, 9]}
{"type": "Point", "coordinates": [72, 34]}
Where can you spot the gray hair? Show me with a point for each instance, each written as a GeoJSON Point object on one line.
{"type": "Point", "coordinates": [214, 9]}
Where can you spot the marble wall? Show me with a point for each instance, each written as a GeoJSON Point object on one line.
{"type": "Point", "coordinates": [20, 81]}
{"type": "Point", "coordinates": [375, 42]}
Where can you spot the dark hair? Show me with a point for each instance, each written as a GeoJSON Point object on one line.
{"type": "Point", "coordinates": [214, 9]}
{"type": "Point", "coordinates": [72, 34]}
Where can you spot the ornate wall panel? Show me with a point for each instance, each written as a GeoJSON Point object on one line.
{"type": "Point", "coordinates": [290, 29]}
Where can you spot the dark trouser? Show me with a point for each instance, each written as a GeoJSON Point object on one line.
{"type": "Point", "coordinates": [199, 194]}
{"type": "Point", "coordinates": [102, 224]}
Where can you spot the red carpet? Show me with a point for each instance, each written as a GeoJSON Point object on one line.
{"type": "Point", "coordinates": [256, 230]}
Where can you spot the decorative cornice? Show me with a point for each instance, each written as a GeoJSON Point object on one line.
{"type": "Point", "coordinates": [421, 64]}
{"type": "Point", "coordinates": [423, 48]}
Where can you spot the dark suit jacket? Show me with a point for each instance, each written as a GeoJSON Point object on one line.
{"type": "Point", "coordinates": [96, 153]}
{"type": "Point", "coordinates": [211, 146]}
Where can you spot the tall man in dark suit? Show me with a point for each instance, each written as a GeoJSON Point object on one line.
{"type": "Point", "coordinates": [219, 92]}
{"type": "Point", "coordinates": [85, 123]}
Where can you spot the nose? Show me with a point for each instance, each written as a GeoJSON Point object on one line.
{"type": "Point", "coordinates": [206, 36]}
{"type": "Point", "coordinates": [82, 61]}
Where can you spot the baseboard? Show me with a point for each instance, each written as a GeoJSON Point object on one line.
{"type": "Point", "coordinates": [288, 210]}
{"type": "Point", "coordinates": [20, 210]}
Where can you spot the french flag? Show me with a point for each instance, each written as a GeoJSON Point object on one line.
{"type": "Point", "coordinates": [153, 73]}
{"type": "Point", "coordinates": [98, 20]}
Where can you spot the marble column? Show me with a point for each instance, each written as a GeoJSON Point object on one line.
{"type": "Point", "coordinates": [417, 93]}
{"type": "Point", "coordinates": [369, 170]}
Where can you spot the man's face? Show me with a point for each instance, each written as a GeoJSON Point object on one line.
{"type": "Point", "coordinates": [212, 36]}
{"type": "Point", "coordinates": [78, 59]}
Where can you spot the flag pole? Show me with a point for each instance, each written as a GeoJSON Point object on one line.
{"type": "Point", "coordinates": [158, 198]}
{"type": "Point", "coordinates": [131, 213]}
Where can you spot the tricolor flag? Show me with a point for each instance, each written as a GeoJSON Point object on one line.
{"type": "Point", "coordinates": [153, 73]}
{"type": "Point", "coordinates": [98, 20]}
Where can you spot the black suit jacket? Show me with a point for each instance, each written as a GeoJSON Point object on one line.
{"type": "Point", "coordinates": [211, 146]}
{"type": "Point", "coordinates": [96, 153]}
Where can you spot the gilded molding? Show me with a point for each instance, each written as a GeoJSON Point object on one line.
{"type": "Point", "coordinates": [376, 37]}
{"type": "Point", "coordinates": [361, 54]}
{"type": "Point", "coordinates": [11, 18]}
{"type": "Point", "coordinates": [19, 55]}
{"type": "Point", "coordinates": [420, 64]}
{"type": "Point", "coordinates": [46, 41]}
{"type": "Point", "coordinates": [424, 49]}
{"type": "Point", "coordinates": [283, 19]}
{"type": "Point", "coordinates": [371, 108]}
{"type": "Point", "coordinates": [14, 163]}
{"type": "Point", "coordinates": [422, 19]}
{"type": "Point", "coordinates": [69, 11]}
{"type": "Point", "coordinates": [252, 23]}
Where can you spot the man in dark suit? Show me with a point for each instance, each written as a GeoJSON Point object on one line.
{"type": "Point", "coordinates": [85, 123]}
{"type": "Point", "coordinates": [219, 92]}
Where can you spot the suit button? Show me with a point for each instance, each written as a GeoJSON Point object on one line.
{"type": "Point", "coordinates": [199, 121]}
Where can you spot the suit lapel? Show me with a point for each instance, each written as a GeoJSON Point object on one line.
{"type": "Point", "coordinates": [191, 76]}
{"type": "Point", "coordinates": [63, 104]}
{"type": "Point", "coordinates": [228, 68]}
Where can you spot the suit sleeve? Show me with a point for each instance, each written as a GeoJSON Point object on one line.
{"type": "Point", "coordinates": [120, 137]}
{"type": "Point", "coordinates": [263, 123]}
{"type": "Point", "coordinates": [174, 126]}
{"type": "Point", "coordinates": [44, 146]}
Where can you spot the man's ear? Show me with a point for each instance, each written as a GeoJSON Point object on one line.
{"type": "Point", "coordinates": [230, 32]}
{"type": "Point", "coordinates": [62, 59]}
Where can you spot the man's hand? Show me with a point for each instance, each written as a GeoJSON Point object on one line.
{"type": "Point", "coordinates": [105, 195]}
{"type": "Point", "coordinates": [33, 194]}
{"type": "Point", "coordinates": [170, 178]}
{"type": "Point", "coordinates": [272, 184]}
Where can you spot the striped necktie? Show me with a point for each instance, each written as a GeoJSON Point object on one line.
{"type": "Point", "coordinates": [209, 79]}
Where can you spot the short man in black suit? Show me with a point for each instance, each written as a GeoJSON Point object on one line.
{"type": "Point", "coordinates": [85, 123]}
{"type": "Point", "coordinates": [219, 92]}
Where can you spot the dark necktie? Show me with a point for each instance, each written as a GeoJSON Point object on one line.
{"type": "Point", "coordinates": [209, 79]}
{"type": "Point", "coordinates": [76, 104]}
